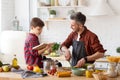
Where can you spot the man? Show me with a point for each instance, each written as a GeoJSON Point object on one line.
{"type": "Point", "coordinates": [86, 47]}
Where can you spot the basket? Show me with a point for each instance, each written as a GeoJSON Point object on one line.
{"type": "Point", "coordinates": [99, 76]}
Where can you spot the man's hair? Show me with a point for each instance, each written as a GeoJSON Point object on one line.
{"type": "Point", "coordinates": [79, 17]}
{"type": "Point", "coordinates": [36, 22]}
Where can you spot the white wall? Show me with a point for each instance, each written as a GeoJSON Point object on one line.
{"type": "Point", "coordinates": [33, 8]}
{"type": "Point", "coordinates": [0, 15]}
{"type": "Point", "coordinates": [12, 42]}
{"type": "Point", "coordinates": [12, 8]}
{"type": "Point", "coordinates": [7, 14]}
{"type": "Point", "coordinates": [106, 27]}
{"type": "Point", "coordinates": [9, 9]}
{"type": "Point", "coordinates": [22, 12]}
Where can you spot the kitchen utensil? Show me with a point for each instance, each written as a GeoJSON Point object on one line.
{"type": "Point", "coordinates": [47, 64]}
{"type": "Point", "coordinates": [99, 76]}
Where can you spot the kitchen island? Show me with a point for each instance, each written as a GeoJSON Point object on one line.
{"type": "Point", "coordinates": [14, 76]}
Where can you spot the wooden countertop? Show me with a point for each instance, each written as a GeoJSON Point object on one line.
{"type": "Point", "coordinates": [15, 76]}
{"type": "Point", "coordinates": [61, 58]}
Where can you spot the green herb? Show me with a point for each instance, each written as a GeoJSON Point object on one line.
{"type": "Point", "coordinates": [55, 47]}
{"type": "Point", "coordinates": [118, 49]}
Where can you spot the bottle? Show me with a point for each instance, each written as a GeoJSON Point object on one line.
{"type": "Point", "coordinates": [80, 2]}
{"type": "Point", "coordinates": [52, 3]}
{"type": "Point", "coordinates": [56, 2]}
{"type": "Point", "coordinates": [74, 2]}
{"type": "Point", "coordinates": [16, 23]}
{"type": "Point", "coordinates": [14, 61]}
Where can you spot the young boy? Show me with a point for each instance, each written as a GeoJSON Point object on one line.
{"type": "Point", "coordinates": [33, 57]}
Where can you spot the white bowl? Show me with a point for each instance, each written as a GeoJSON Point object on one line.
{"type": "Point", "coordinates": [64, 2]}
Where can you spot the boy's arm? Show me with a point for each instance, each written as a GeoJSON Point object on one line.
{"type": "Point", "coordinates": [40, 46]}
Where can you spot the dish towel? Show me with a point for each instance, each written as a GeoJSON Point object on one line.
{"type": "Point", "coordinates": [31, 74]}
{"type": "Point", "coordinates": [19, 71]}
{"type": "Point", "coordinates": [28, 74]}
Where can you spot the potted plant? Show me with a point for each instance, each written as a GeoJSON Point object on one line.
{"type": "Point", "coordinates": [118, 50]}
{"type": "Point", "coordinates": [52, 13]}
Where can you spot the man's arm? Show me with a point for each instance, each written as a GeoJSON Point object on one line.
{"type": "Point", "coordinates": [95, 56]}
{"type": "Point", "coordinates": [97, 47]}
{"type": "Point", "coordinates": [92, 57]}
{"type": "Point", "coordinates": [66, 44]}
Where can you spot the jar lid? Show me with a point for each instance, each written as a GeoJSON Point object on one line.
{"type": "Point", "coordinates": [90, 67]}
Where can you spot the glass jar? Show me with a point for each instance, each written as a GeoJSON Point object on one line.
{"type": "Point", "coordinates": [52, 3]}
{"type": "Point", "coordinates": [112, 69]}
{"type": "Point", "coordinates": [16, 23]}
{"type": "Point", "coordinates": [47, 2]}
{"type": "Point", "coordinates": [56, 2]}
{"type": "Point", "coordinates": [73, 2]}
{"type": "Point", "coordinates": [81, 2]}
{"type": "Point", "coordinates": [89, 71]}
{"type": "Point", "coordinates": [118, 68]}
{"type": "Point", "coordinates": [48, 64]}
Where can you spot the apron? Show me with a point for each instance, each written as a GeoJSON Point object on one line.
{"type": "Point", "coordinates": [78, 51]}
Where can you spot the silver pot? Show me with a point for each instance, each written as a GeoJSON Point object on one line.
{"type": "Point", "coordinates": [48, 64]}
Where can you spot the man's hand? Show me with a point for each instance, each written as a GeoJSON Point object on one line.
{"type": "Point", "coordinates": [67, 55]}
{"type": "Point", "coordinates": [80, 63]}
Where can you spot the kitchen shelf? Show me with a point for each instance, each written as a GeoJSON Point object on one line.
{"type": "Point", "coordinates": [47, 21]}
{"type": "Point", "coordinates": [56, 20]}
{"type": "Point", "coordinates": [43, 12]}
{"type": "Point", "coordinates": [59, 6]}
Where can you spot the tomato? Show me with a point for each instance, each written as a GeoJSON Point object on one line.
{"type": "Point", "coordinates": [30, 67]}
